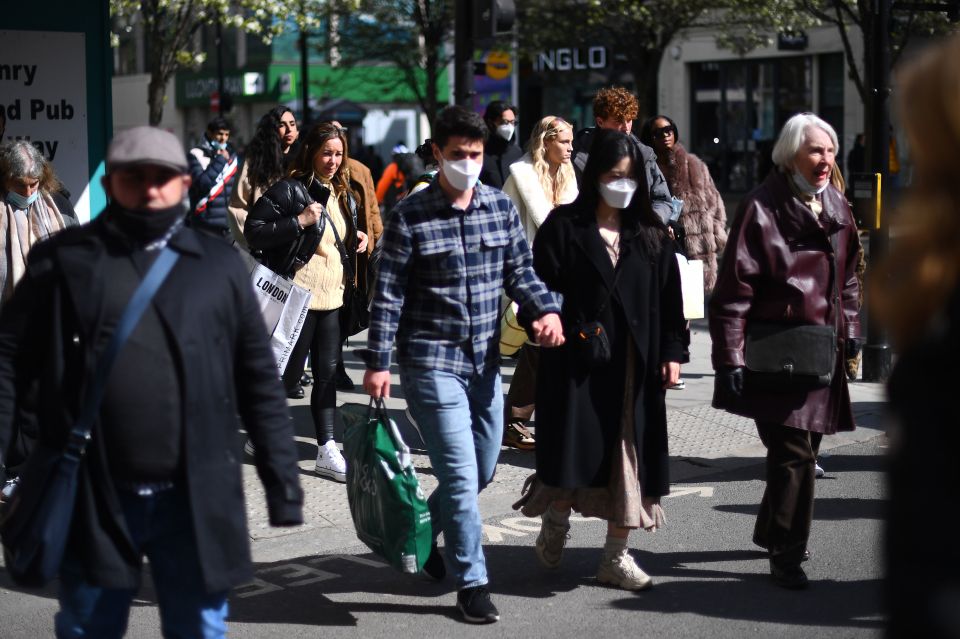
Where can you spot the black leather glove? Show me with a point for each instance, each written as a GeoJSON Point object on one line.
{"type": "Point", "coordinates": [853, 346]}
{"type": "Point", "coordinates": [729, 382]}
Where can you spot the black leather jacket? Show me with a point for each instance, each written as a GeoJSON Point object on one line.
{"type": "Point", "coordinates": [272, 230]}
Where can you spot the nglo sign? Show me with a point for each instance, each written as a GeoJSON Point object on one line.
{"type": "Point", "coordinates": [571, 59]}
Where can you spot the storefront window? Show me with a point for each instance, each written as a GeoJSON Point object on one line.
{"type": "Point", "coordinates": [738, 109]}
{"type": "Point", "coordinates": [831, 94]}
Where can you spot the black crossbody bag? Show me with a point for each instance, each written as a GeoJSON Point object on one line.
{"type": "Point", "coordinates": [784, 358]}
{"type": "Point", "coordinates": [355, 315]}
{"type": "Point", "coordinates": [590, 342]}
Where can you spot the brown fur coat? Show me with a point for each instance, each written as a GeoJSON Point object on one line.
{"type": "Point", "coordinates": [703, 218]}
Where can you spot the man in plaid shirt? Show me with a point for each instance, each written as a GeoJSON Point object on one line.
{"type": "Point", "coordinates": [447, 252]}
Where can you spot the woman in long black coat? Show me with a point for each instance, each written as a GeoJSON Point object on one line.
{"type": "Point", "coordinates": [602, 435]}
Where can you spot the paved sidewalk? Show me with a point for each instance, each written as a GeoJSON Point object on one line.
{"type": "Point", "coordinates": [702, 441]}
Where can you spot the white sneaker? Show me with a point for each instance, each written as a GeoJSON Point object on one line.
{"type": "Point", "coordinates": [550, 542]}
{"type": "Point", "coordinates": [248, 447]}
{"type": "Point", "coordinates": [330, 463]}
{"type": "Point", "coordinates": [818, 471]}
{"type": "Point", "coordinates": [622, 571]}
{"type": "Point", "coordinates": [680, 385]}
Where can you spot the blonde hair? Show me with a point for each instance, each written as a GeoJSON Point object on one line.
{"type": "Point", "coordinates": [548, 129]}
{"type": "Point", "coordinates": [922, 271]}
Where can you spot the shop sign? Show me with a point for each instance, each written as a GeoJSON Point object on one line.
{"type": "Point", "coordinates": [792, 41]}
{"type": "Point", "coordinates": [201, 88]}
{"type": "Point", "coordinates": [571, 59]}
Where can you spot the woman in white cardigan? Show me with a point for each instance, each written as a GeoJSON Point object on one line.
{"type": "Point", "coordinates": [542, 180]}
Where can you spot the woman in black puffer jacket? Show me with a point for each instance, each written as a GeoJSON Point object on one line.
{"type": "Point", "coordinates": [301, 224]}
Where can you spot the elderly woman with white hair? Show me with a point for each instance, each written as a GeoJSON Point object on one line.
{"type": "Point", "coordinates": [33, 209]}
{"type": "Point", "coordinates": [782, 318]}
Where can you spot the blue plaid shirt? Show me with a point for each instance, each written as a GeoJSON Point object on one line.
{"type": "Point", "coordinates": [439, 281]}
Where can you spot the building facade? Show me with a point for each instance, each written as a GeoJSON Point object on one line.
{"type": "Point", "coordinates": [729, 108]}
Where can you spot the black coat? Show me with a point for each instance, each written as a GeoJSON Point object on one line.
{"type": "Point", "coordinates": [498, 155]}
{"type": "Point", "coordinates": [923, 563]}
{"type": "Point", "coordinates": [50, 335]}
{"type": "Point", "coordinates": [578, 414]}
{"type": "Point", "coordinates": [272, 229]}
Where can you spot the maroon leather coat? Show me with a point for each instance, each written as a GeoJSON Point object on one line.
{"type": "Point", "coordinates": [776, 267]}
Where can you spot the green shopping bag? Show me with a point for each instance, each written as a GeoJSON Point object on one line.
{"type": "Point", "coordinates": [389, 510]}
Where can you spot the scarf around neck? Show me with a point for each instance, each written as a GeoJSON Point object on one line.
{"type": "Point", "coordinates": [19, 231]}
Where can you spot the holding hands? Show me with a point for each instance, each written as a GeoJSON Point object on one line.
{"type": "Point", "coordinates": [548, 331]}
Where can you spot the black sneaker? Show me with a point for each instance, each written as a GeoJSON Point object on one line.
{"type": "Point", "coordinates": [475, 605]}
{"type": "Point", "coordinates": [433, 567]}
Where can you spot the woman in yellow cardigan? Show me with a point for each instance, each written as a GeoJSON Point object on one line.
{"type": "Point", "coordinates": [304, 227]}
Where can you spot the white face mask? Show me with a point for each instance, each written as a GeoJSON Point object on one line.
{"type": "Point", "coordinates": [618, 193]}
{"type": "Point", "coordinates": [461, 174]}
{"type": "Point", "coordinates": [505, 131]}
{"type": "Point", "coordinates": [805, 187]}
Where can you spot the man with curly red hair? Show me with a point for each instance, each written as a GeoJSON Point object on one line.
{"type": "Point", "coordinates": [617, 108]}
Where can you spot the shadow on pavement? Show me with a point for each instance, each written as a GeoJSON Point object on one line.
{"type": "Point", "coordinates": [755, 598]}
{"type": "Point", "coordinates": [825, 508]}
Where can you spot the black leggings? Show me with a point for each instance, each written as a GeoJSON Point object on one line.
{"type": "Point", "coordinates": [321, 337]}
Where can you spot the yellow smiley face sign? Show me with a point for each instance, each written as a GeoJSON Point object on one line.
{"type": "Point", "coordinates": [499, 65]}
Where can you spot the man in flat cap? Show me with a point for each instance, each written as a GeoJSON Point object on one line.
{"type": "Point", "coordinates": [161, 477]}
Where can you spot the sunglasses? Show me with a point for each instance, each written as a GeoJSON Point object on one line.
{"type": "Point", "coordinates": [663, 131]}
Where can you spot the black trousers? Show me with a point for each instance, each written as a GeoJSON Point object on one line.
{"type": "Point", "coordinates": [786, 511]}
{"type": "Point", "coordinates": [522, 395]}
{"type": "Point", "coordinates": [321, 338]}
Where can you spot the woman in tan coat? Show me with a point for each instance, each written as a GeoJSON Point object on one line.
{"type": "Point", "coordinates": [264, 164]}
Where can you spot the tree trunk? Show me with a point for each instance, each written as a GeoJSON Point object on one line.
{"type": "Point", "coordinates": [645, 65]}
{"type": "Point", "coordinates": [156, 96]}
{"type": "Point", "coordinates": [431, 89]}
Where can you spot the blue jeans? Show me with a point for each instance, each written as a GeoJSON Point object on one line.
{"type": "Point", "coordinates": [161, 528]}
{"type": "Point", "coordinates": [461, 421]}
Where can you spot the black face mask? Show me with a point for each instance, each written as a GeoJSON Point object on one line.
{"type": "Point", "coordinates": [142, 226]}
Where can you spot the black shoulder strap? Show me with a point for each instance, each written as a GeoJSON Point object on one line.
{"type": "Point", "coordinates": [344, 258]}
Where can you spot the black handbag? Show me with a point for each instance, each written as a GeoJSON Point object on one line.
{"type": "Point", "coordinates": [590, 342]}
{"type": "Point", "coordinates": [35, 520]}
{"type": "Point", "coordinates": [782, 357]}
{"type": "Point", "coordinates": [355, 312]}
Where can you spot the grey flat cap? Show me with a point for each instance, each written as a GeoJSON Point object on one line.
{"type": "Point", "coordinates": [146, 145]}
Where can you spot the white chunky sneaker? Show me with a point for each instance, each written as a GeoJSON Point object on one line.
{"type": "Point", "coordinates": [818, 471]}
{"type": "Point", "coordinates": [622, 571]}
{"type": "Point", "coordinates": [330, 463]}
{"type": "Point", "coordinates": [550, 541]}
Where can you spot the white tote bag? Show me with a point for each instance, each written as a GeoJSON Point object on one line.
{"type": "Point", "coordinates": [691, 284]}
{"type": "Point", "coordinates": [284, 306]}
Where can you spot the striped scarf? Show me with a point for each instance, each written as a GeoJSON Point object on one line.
{"type": "Point", "coordinates": [19, 231]}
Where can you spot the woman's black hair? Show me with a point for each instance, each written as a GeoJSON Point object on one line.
{"type": "Point", "coordinates": [608, 148]}
{"type": "Point", "coordinates": [425, 152]}
{"type": "Point", "coordinates": [646, 131]}
{"type": "Point", "coordinates": [264, 155]}
{"type": "Point", "coordinates": [496, 108]}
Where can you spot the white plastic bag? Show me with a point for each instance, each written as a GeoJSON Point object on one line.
{"type": "Point", "coordinates": [691, 284]}
{"type": "Point", "coordinates": [284, 306]}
